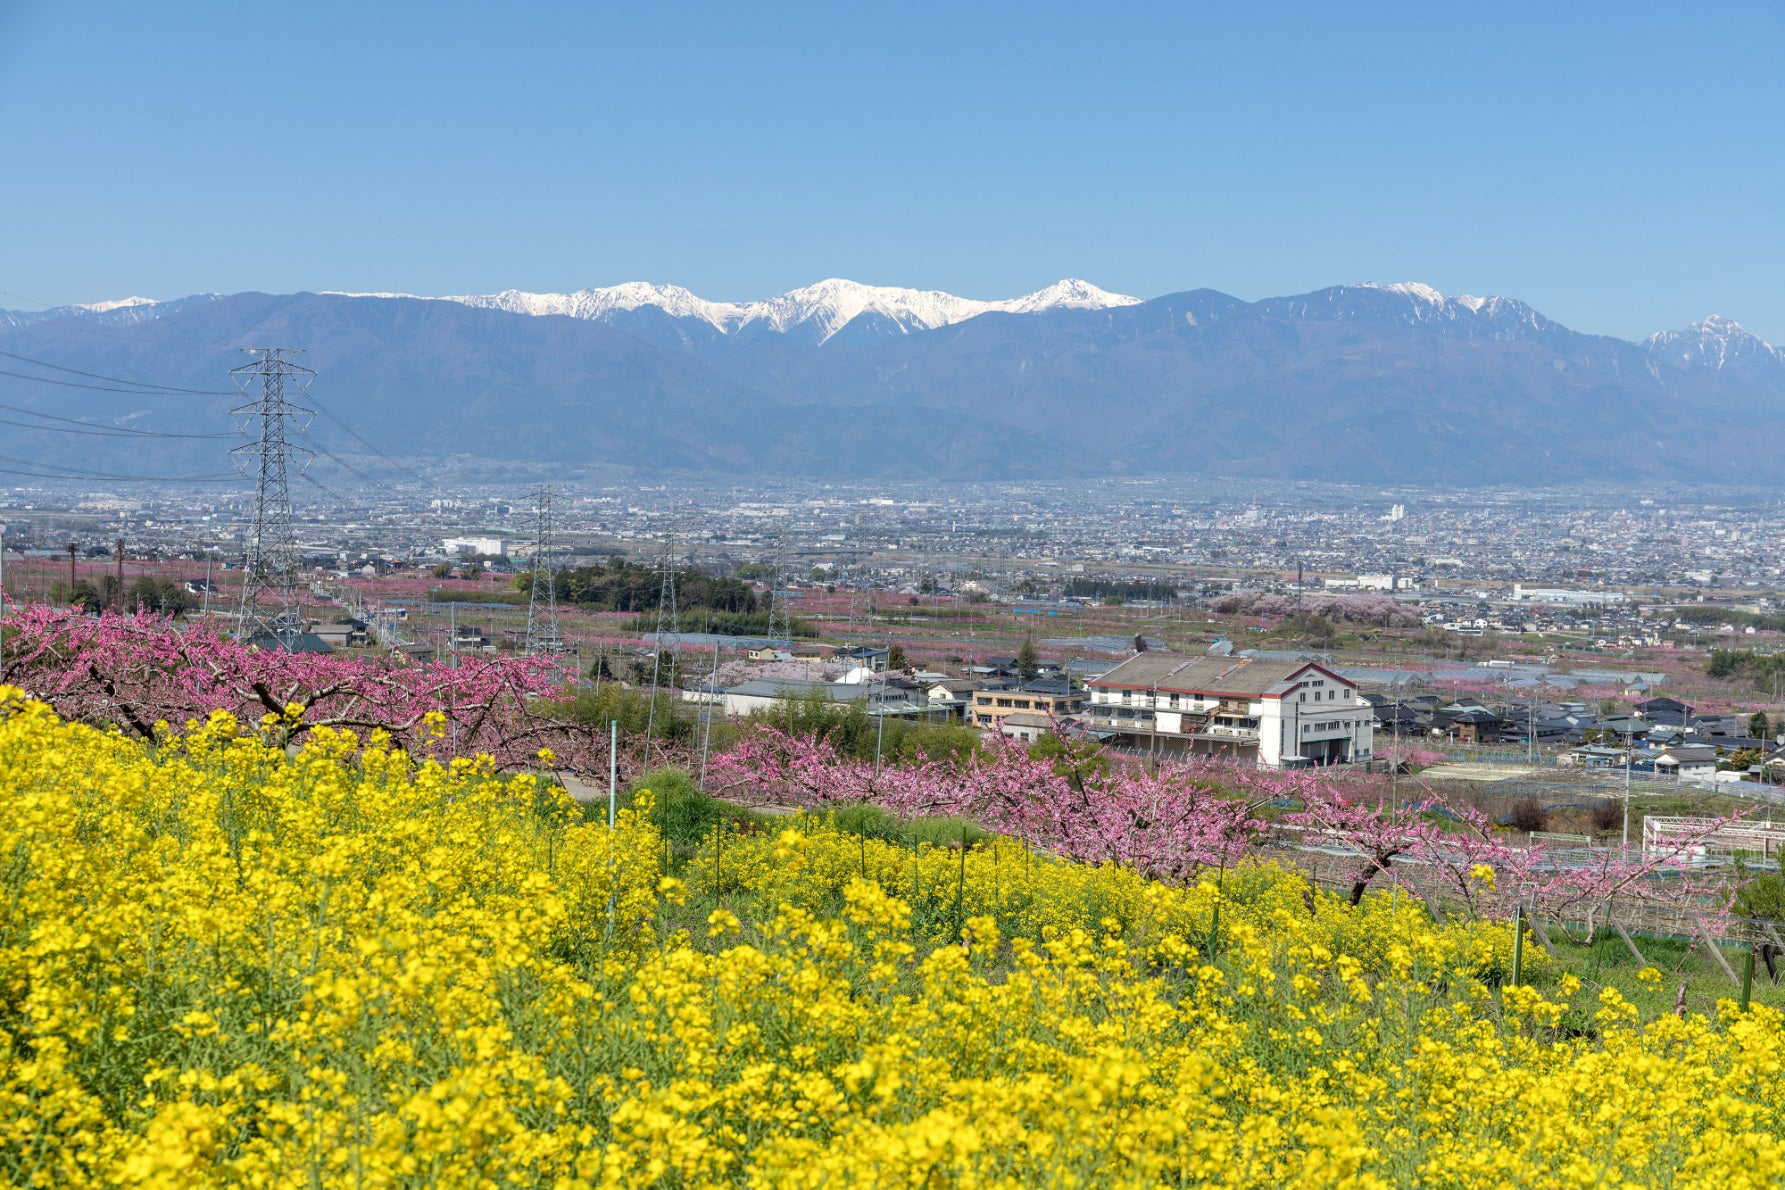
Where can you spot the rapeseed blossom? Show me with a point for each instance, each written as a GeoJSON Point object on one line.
{"type": "Point", "coordinates": [221, 963]}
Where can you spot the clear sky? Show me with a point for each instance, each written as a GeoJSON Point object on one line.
{"type": "Point", "coordinates": [1621, 166]}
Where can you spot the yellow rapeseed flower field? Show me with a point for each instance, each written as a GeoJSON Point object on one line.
{"type": "Point", "coordinates": [222, 964]}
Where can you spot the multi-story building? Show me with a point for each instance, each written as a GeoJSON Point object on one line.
{"type": "Point", "coordinates": [991, 703]}
{"type": "Point", "coordinates": [1277, 714]}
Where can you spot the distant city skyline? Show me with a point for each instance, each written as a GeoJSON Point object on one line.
{"type": "Point", "coordinates": [1616, 168]}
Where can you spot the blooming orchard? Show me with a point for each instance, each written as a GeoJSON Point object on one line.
{"type": "Point", "coordinates": [223, 962]}
{"type": "Point", "coordinates": [137, 671]}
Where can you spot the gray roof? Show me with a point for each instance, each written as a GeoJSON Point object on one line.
{"type": "Point", "coordinates": [1201, 675]}
{"type": "Point", "coordinates": [797, 688]}
{"type": "Point", "coordinates": [1688, 752]}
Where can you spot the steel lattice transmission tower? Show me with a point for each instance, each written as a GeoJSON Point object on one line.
{"type": "Point", "coordinates": [543, 635]}
{"type": "Point", "coordinates": [780, 627]}
{"type": "Point", "coordinates": [271, 566]}
{"type": "Point", "coordinates": [667, 612]}
{"type": "Point", "coordinates": [861, 599]}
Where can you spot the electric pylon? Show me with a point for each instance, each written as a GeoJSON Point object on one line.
{"type": "Point", "coordinates": [780, 629]}
{"type": "Point", "coordinates": [861, 600]}
{"type": "Point", "coordinates": [666, 593]}
{"type": "Point", "coordinates": [542, 594]}
{"type": "Point", "coordinates": [271, 565]}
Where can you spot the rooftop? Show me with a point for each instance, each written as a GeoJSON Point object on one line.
{"type": "Point", "coordinates": [1199, 675]}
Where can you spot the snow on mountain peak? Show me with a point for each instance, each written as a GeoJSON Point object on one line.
{"type": "Point", "coordinates": [1070, 293]}
{"type": "Point", "coordinates": [829, 305]}
{"type": "Point", "coordinates": [1716, 342]}
{"type": "Point", "coordinates": [1414, 289]}
{"type": "Point", "coordinates": [116, 304]}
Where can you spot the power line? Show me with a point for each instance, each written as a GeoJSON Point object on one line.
{"type": "Point", "coordinates": [196, 392]}
{"type": "Point", "coordinates": [148, 389]}
{"type": "Point", "coordinates": [121, 478]}
{"type": "Point", "coordinates": [101, 388]}
{"type": "Point", "coordinates": [82, 473]}
{"type": "Point", "coordinates": [366, 442]}
{"type": "Point", "coordinates": [345, 465]}
{"type": "Point", "coordinates": [87, 427]}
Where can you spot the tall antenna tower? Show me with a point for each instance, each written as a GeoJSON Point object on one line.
{"type": "Point", "coordinates": [780, 627]}
{"type": "Point", "coordinates": [270, 572]}
{"type": "Point", "coordinates": [542, 594]}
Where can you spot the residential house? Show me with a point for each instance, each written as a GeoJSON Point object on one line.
{"type": "Point", "coordinates": [1468, 724]}
{"type": "Point", "coordinates": [1592, 756]}
{"type": "Point", "coordinates": [1687, 762]}
{"type": "Point", "coordinates": [1275, 713]}
{"type": "Point", "coordinates": [862, 655]}
{"type": "Point", "coordinates": [952, 694]}
{"type": "Point", "coordinates": [1026, 726]}
{"type": "Point", "coordinates": [770, 653]}
{"type": "Point", "coordinates": [995, 700]}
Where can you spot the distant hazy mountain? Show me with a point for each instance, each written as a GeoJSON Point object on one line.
{"type": "Point", "coordinates": [1358, 382]}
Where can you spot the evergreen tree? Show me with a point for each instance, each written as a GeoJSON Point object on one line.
{"type": "Point", "coordinates": [1027, 663]}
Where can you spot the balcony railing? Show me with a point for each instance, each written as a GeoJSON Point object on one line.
{"type": "Point", "coordinates": [1143, 723]}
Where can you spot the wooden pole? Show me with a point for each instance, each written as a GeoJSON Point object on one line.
{"type": "Point", "coordinates": [1717, 954]}
{"type": "Point", "coordinates": [1518, 942]}
{"type": "Point", "coordinates": [1629, 943]}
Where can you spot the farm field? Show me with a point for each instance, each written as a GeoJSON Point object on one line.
{"type": "Point", "coordinates": [227, 963]}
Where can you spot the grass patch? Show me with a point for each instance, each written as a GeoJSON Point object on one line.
{"type": "Point", "coordinates": [684, 814]}
{"type": "Point", "coordinates": [871, 822]}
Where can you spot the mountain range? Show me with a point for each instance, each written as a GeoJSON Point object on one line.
{"type": "Point", "coordinates": [1355, 383]}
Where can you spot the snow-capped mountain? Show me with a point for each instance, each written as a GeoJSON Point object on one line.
{"type": "Point", "coordinates": [824, 308]}
{"type": "Point", "coordinates": [1717, 343]}
{"type": "Point", "coordinates": [118, 310]}
{"type": "Point", "coordinates": [1412, 303]}
{"type": "Point", "coordinates": [603, 303]}
{"type": "Point", "coordinates": [1353, 383]}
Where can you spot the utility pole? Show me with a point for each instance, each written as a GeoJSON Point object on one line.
{"type": "Point", "coordinates": [712, 693]}
{"type": "Point", "coordinates": [271, 566]}
{"type": "Point", "coordinates": [542, 594]}
{"type": "Point", "coordinates": [71, 552]}
{"type": "Point", "coordinates": [118, 594]}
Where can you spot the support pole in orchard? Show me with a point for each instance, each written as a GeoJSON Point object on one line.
{"type": "Point", "coordinates": [613, 862]}
{"type": "Point", "coordinates": [1518, 943]}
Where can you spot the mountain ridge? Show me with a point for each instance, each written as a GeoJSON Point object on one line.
{"type": "Point", "coordinates": [1357, 383]}
{"type": "Point", "coordinates": [834, 303]}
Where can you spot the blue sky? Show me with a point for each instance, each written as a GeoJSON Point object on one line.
{"type": "Point", "coordinates": [1620, 166]}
